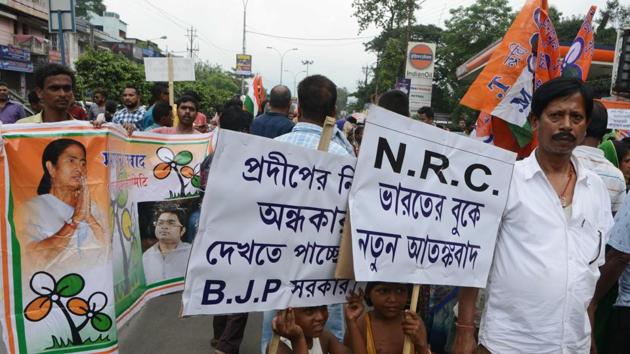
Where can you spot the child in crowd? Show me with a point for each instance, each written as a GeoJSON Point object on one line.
{"type": "Point", "coordinates": [162, 116]}
{"type": "Point", "coordinates": [379, 331]}
{"type": "Point", "coordinates": [382, 330]}
{"type": "Point", "coordinates": [303, 331]}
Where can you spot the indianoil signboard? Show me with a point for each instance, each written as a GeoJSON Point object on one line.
{"type": "Point", "coordinates": [419, 69]}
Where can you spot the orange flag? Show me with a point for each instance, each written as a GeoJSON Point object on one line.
{"type": "Point", "coordinates": [504, 87]}
{"type": "Point", "coordinates": [577, 62]}
{"type": "Point", "coordinates": [547, 52]}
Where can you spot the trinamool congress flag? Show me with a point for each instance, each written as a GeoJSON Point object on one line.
{"type": "Point", "coordinates": [504, 88]}
{"type": "Point", "coordinates": [547, 52]}
{"type": "Point", "coordinates": [577, 62]}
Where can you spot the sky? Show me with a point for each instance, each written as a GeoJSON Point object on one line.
{"type": "Point", "coordinates": [219, 25]}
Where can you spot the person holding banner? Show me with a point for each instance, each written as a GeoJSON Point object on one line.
{"type": "Point", "coordinates": [550, 242]}
{"type": "Point", "coordinates": [61, 225]}
{"type": "Point", "coordinates": [187, 108]}
{"type": "Point", "coordinates": [317, 96]}
{"type": "Point", "coordinates": [54, 84]}
{"type": "Point", "coordinates": [132, 115]}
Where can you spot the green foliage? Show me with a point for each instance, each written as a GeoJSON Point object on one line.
{"type": "Point", "coordinates": [468, 31]}
{"type": "Point", "coordinates": [101, 68]}
{"type": "Point", "coordinates": [82, 7]}
{"type": "Point", "coordinates": [342, 99]}
{"type": "Point", "coordinates": [385, 14]}
{"type": "Point", "coordinates": [390, 65]}
{"type": "Point", "coordinates": [213, 85]}
{"type": "Point", "coordinates": [612, 17]}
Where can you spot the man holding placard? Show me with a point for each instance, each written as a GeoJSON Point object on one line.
{"type": "Point", "coordinates": [550, 241]}
{"type": "Point", "coordinates": [317, 96]}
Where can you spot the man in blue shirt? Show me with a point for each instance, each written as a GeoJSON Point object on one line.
{"type": "Point", "coordinates": [276, 121]}
{"type": "Point", "coordinates": [10, 111]}
{"type": "Point", "coordinates": [317, 96]}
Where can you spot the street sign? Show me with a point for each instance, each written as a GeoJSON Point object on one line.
{"type": "Point", "coordinates": [243, 64]}
{"type": "Point", "coordinates": [61, 15]}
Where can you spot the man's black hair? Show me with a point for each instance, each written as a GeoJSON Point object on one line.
{"type": "Point", "coordinates": [157, 90]}
{"type": "Point", "coordinates": [558, 88]}
{"type": "Point", "coordinates": [597, 127]}
{"type": "Point", "coordinates": [427, 111]}
{"type": "Point", "coordinates": [33, 98]}
{"type": "Point", "coordinates": [235, 101]}
{"type": "Point", "coordinates": [2, 83]}
{"type": "Point", "coordinates": [317, 96]}
{"type": "Point", "coordinates": [621, 149]}
{"type": "Point", "coordinates": [100, 91]}
{"type": "Point", "coordinates": [280, 97]}
{"type": "Point", "coordinates": [234, 118]}
{"type": "Point", "coordinates": [173, 209]}
{"type": "Point", "coordinates": [132, 86]}
{"type": "Point", "coordinates": [161, 110]}
{"type": "Point", "coordinates": [52, 69]}
{"type": "Point", "coordinates": [395, 101]}
{"type": "Point", "coordinates": [184, 99]}
{"type": "Point", "coordinates": [111, 106]}
{"type": "Point", "coordinates": [192, 94]}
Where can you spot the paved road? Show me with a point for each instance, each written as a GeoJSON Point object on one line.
{"type": "Point", "coordinates": [157, 329]}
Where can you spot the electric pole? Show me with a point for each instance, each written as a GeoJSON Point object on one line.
{"type": "Point", "coordinates": [244, 47]}
{"type": "Point", "coordinates": [192, 34]}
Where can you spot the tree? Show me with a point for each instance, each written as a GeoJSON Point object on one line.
{"type": "Point", "coordinates": [612, 17]}
{"type": "Point", "coordinates": [83, 7]}
{"type": "Point", "coordinates": [469, 30]}
{"type": "Point", "coordinates": [342, 99]}
{"type": "Point", "coordinates": [213, 85]}
{"type": "Point", "coordinates": [385, 14]}
{"type": "Point", "coordinates": [101, 68]}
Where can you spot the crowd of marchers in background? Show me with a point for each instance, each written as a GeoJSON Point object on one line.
{"type": "Point", "coordinates": [559, 253]}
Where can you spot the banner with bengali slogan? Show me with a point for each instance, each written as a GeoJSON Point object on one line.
{"type": "Point", "coordinates": [274, 242]}
{"type": "Point", "coordinates": [426, 204]}
{"type": "Point", "coordinates": [82, 232]}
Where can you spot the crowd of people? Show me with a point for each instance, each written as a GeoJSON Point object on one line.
{"type": "Point", "coordinates": [558, 256]}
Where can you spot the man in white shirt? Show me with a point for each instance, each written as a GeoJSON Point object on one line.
{"type": "Point", "coordinates": [169, 256]}
{"type": "Point", "coordinates": [591, 157]}
{"type": "Point", "coordinates": [550, 243]}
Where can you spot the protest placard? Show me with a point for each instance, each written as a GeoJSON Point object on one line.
{"type": "Point", "coordinates": [425, 203]}
{"type": "Point", "coordinates": [74, 200]}
{"type": "Point", "coordinates": [274, 240]}
{"type": "Point", "coordinates": [618, 118]}
{"type": "Point", "coordinates": [156, 69]}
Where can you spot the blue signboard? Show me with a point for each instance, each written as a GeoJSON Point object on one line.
{"type": "Point", "coordinates": [15, 54]}
{"type": "Point", "coordinates": [11, 65]}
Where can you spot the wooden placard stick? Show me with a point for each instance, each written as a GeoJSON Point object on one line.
{"type": "Point", "coordinates": [324, 143]}
{"type": "Point", "coordinates": [408, 346]}
{"type": "Point", "coordinates": [171, 89]}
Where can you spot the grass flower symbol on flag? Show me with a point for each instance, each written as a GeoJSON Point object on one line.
{"type": "Point", "coordinates": [51, 292]}
{"type": "Point", "coordinates": [177, 163]}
